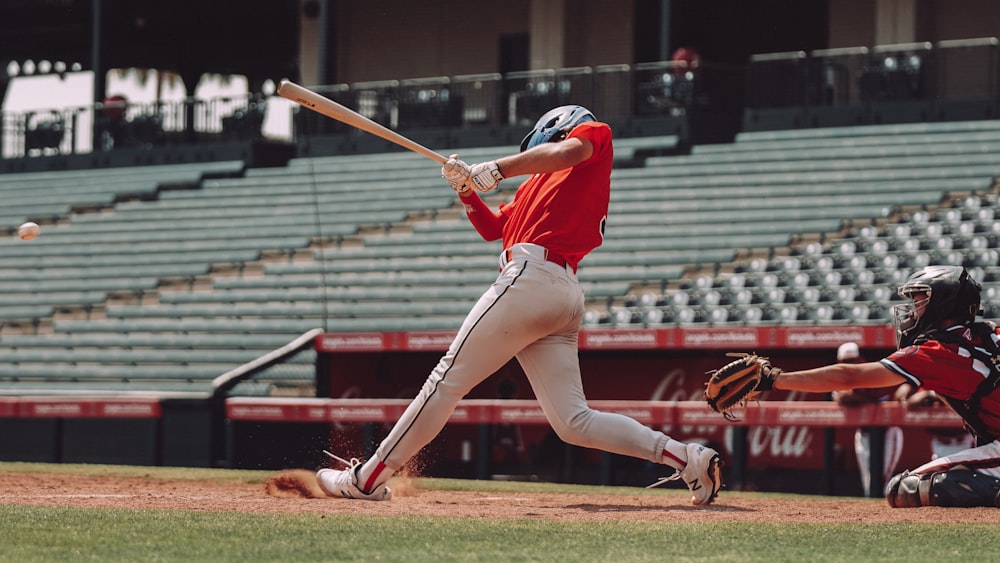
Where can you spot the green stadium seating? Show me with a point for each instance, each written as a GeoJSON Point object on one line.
{"type": "Point", "coordinates": [159, 279]}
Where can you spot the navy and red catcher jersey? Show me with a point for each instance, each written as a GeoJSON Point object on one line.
{"type": "Point", "coordinates": [950, 371]}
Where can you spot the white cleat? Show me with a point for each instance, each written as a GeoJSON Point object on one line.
{"type": "Point", "coordinates": [703, 474]}
{"type": "Point", "coordinates": [344, 482]}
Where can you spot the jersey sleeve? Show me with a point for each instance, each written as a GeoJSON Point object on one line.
{"type": "Point", "coordinates": [488, 224]}
{"type": "Point", "coordinates": [930, 365]}
{"type": "Point", "coordinates": [599, 135]}
{"type": "Point", "coordinates": [899, 369]}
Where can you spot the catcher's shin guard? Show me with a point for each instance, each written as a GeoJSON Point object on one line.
{"type": "Point", "coordinates": [955, 488]}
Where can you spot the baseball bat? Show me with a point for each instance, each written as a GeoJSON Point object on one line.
{"type": "Point", "coordinates": [320, 104]}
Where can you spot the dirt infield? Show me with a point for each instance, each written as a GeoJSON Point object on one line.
{"type": "Point", "coordinates": [296, 492]}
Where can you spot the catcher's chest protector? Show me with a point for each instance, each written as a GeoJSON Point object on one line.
{"type": "Point", "coordinates": [989, 354]}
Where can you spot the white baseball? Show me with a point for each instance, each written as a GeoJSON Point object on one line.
{"type": "Point", "coordinates": [28, 230]}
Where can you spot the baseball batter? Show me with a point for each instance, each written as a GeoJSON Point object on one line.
{"type": "Point", "coordinates": [532, 311]}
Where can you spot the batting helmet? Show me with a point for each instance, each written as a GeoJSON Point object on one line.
{"type": "Point", "coordinates": [555, 125]}
{"type": "Point", "coordinates": [935, 293]}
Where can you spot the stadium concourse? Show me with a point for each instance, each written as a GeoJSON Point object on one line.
{"type": "Point", "coordinates": [155, 281]}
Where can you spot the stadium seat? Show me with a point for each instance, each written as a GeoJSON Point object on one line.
{"type": "Point", "coordinates": [752, 315]}
{"type": "Point", "coordinates": [245, 259]}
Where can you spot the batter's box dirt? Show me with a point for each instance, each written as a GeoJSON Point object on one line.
{"type": "Point", "coordinates": [296, 492]}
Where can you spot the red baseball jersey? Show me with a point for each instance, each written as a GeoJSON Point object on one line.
{"type": "Point", "coordinates": [563, 211]}
{"type": "Point", "coordinates": [950, 371]}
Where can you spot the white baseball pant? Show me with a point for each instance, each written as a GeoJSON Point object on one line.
{"type": "Point", "coordinates": [893, 451]}
{"type": "Point", "coordinates": [532, 312]}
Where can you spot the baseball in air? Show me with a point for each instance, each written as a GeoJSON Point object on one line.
{"type": "Point", "coordinates": [28, 230]}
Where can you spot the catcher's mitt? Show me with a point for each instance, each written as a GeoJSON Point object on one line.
{"type": "Point", "coordinates": [739, 381]}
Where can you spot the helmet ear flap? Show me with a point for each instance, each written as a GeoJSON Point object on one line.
{"type": "Point", "coordinates": [969, 296]}
{"type": "Point", "coordinates": [526, 140]}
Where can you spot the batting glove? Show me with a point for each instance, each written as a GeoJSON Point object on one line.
{"type": "Point", "coordinates": [457, 174]}
{"type": "Point", "coordinates": [486, 176]}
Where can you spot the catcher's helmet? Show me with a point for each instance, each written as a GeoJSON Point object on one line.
{"type": "Point", "coordinates": [555, 125]}
{"type": "Point", "coordinates": [935, 293]}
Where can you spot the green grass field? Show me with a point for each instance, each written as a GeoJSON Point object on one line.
{"type": "Point", "coordinates": [85, 534]}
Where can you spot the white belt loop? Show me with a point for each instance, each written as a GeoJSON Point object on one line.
{"type": "Point", "coordinates": [523, 251]}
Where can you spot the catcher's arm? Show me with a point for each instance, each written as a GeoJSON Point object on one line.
{"type": "Point", "coordinates": [739, 381]}
{"type": "Point", "coordinates": [834, 377]}
{"type": "Point", "coordinates": [744, 379]}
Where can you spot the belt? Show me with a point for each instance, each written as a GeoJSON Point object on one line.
{"type": "Point", "coordinates": [549, 256]}
{"type": "Point", "coordinates": [556, 259]}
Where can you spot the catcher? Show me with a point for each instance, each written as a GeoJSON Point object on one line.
{"type": "Point", "coordinates": [941, 348]}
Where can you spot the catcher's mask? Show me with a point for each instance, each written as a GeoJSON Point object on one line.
{"type": "Point", "coordinates": [555, 125]}
{"type": "Point", "coordinates": [935, 293]}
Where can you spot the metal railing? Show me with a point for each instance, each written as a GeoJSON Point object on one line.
{"type": "Point", "coordinates": [615, 93]}
{"type": "Point", "coordinates": [922, 74]}
{"type": "Point", "coordinates": [117, 125]}
{"type": "Point", "coordinates": [946, 71]}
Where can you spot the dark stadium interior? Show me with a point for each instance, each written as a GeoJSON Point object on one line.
{"type": "Point", "coordinates": [259, 38]}
{"type": "Point", "coordinates": [731, 31]}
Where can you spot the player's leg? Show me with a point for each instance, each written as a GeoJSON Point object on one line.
{"type": "Point", "coordinates": [862, 452]}
{"type": "Point", "coordinates": [968, 478]}
{"type": "Point", "coordinates": [893, 451]}
{"type": "Point", "coordinates": [946, 443]}
{"type": "Point", "coordinates": [513, 312]}
{"type": "Point", "coordinates": [552, 367]}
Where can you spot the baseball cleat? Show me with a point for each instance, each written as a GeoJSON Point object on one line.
{"type": "Point", "coordinates": [703, 474]}
{"type": "Point", "coordinates": [344, 482]}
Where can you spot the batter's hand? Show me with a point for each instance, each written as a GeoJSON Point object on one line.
{"type": "Point", "coordinates": [457, 174]}
{"type": "Point", "coordinates": [486, 176]}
